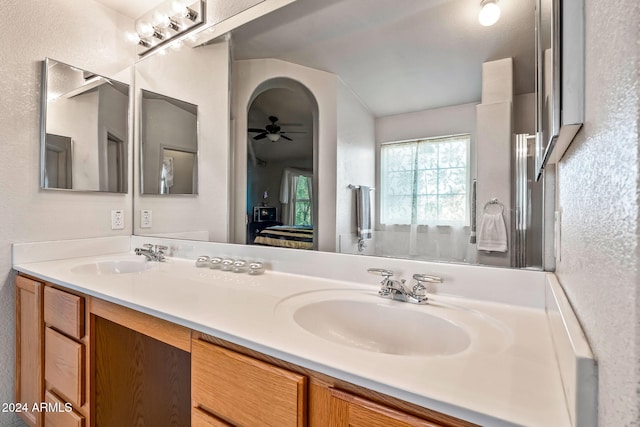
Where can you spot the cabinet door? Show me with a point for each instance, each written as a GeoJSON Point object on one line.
{"type": "Point", "coordinates": [29, 383]}
{"type": "Point", "coordinates": [245, 391]}
{"type": "Point", "coordinates": [348, 410]}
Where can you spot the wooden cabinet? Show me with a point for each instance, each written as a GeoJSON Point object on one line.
{"type": "Point", "coordinates": [348, 410]}
{"type": "Point", "coordinates": [74, 353]}
{"type": "Point", "coordinates": [61, 415]}
{"type": "Point", "coordinates": [64, 367]}
{"type": "Point", "coordinates": [64, 312]}
{"type": "Point", "coordinates": [244, 391]}
{"type": "Point", "coordinates": [64, 353]}
{"type": "Point", "coordinates": [29, 347]}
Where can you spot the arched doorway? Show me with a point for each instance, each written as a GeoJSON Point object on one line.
{"type": "Point", "coordinates": [282, 185]}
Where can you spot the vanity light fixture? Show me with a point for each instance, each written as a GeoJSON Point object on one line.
{"type": "Point", "coordinates": [167, 22]}
{"type": "Point", "coordinates": [489, 12]}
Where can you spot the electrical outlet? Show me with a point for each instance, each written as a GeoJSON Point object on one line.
{"type": "Point", "coordinates": [145, 218]}
{"type": "Point", "coordinates": [117, 219]}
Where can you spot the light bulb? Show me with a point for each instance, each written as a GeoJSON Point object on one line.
{"type": "Point", "coordinates": [136, 39]}
{"type": "Point", "coordinates": [145, 29]}
{"type": "Point", "coordinates": [133, 37]}
{"type": "Point", "coordinates": [489, 14]}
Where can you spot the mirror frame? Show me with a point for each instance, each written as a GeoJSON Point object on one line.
{"type": "Point", "coordinates": [43, 132]}
{"type": "Point", "coordinates": [567, 81]}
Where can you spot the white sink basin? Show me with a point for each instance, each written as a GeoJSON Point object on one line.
{"type": "Point", "coordinates": [112, 267]}
{"type": "Point", "coordinates": [362, 321]}
{"type": "Point", "coordinates": [382, 328]}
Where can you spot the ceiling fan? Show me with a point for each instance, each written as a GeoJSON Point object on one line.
{"type": "Point", "coordinates": [271, 131]}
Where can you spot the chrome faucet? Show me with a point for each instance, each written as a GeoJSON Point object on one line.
{"type": "Point", "coordinates": [152, 252]}
{"type": "Point", "coordinates": [395, 289]}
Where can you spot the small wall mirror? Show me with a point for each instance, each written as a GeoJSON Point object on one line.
{"type": "Point", "coordinates": [84, 131]}
{"type": "Point", "coordinates": [169, 145]}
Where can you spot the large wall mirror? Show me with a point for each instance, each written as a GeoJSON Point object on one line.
{"type": "Point", "coordinates": [319, 89]}
{"type": "Point", "coordinates": [84, 134]}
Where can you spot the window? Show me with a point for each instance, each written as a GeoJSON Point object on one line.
{"type": "Point", "coordinates": [425, 181]}
{"type": "Point", "coordinates": [303, 201]}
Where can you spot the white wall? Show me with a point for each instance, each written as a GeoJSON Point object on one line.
{"type": "Point", "coordinates": [198, 76]}
{"type": "Point", "coordinates": [356, 159]}
{"type": "Point", "coordinates": [248, 75]}
{"type": "Point", "coordinates": [598, 189]}
{"type": "Point", "coordinates": [82, 33]}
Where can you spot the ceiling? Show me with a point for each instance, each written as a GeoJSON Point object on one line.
{"type": "Point", "coordinates": [397, 56]}
{"type": "Point", "coordinates": [131, 8]}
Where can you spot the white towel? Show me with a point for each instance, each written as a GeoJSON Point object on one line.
{"type": "Point", "coordinates": [492, 235]}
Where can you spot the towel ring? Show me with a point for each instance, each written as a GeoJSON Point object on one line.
{"type": "Point", "coordinates": [491, 202]}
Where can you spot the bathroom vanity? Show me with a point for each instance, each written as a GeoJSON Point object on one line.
{"type": "Point", "coordinates": [112, 339]}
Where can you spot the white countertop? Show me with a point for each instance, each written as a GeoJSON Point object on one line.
{"type": "Point", "coordinates": [515, 382]}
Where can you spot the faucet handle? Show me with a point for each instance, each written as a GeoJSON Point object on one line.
{"type": "Point", "coordinates": [418, 294]}
{"type": "Point", "coordinates": [427, 278]}
{"type": "Point", "coordinates": [381, 272]}
{"type": "Point", "coordinates": [148, 246]}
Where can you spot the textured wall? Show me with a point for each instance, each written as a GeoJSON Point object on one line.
{"type": "Point", "coordinates": [598, 196]}
{"type": "Point", "coordinates": [81, 33]}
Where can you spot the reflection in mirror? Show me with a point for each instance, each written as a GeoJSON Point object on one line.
{"type": "Point", "coordinates": [409, 77]}
{"type": "Point", "coordinates": [169, 145]}
{"type": "Point", "coordinates": [415, 74]}
{"type": "Point", "coordinates": [280, 167]}
{"type": "Point", "coordinates": [84, 130]}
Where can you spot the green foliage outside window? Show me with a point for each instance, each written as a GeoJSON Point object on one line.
{"type": "Point", "coordinates": [303, 202]}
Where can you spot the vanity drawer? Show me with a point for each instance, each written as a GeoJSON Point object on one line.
{"type": "Point", "coordinates": [348, 410]}
{"type": "Point", "coordinates": [199, 418]}
{"type": "Point", "coordinates": [245, 391]}
{"type": "Point", "coordinates": [64, 312]}
{"type": "Point", "coordinates": [57, 415]}
{"type": "Point", "coordinates": [64, 366]}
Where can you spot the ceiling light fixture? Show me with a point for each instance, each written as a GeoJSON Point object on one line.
{"type": "Point", "coordinates": [167, 22]}
{"type": "Point", "coordinates": [489, 12]}
{"type": "Point", "coordinates": [273, 137]}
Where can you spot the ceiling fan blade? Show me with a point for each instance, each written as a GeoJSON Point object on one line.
{"type": "Point", "coordinates": [291, 124]}
{"type": "Point", "coordinates": [291, 132]}
{"type": "Point", "coordinates": [261, 136]}
{"type": "Point", "coordinates": [255, 130]}
{"type": "Point", "coordinates": [286, 137]}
